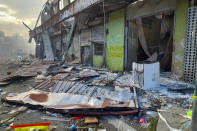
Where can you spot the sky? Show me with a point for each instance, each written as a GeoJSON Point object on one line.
{"type": "Point", "coordinates": [12, 12]}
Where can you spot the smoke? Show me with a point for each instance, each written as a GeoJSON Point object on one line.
{"type": "Point", "coordinates": [13, 46]}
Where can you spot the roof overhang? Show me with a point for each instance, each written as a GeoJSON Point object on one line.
{"type": "Point", "coordinates": [77, 7]}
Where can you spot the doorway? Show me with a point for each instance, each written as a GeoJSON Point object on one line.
{"type": "Point", "coordinates": [151, 39]}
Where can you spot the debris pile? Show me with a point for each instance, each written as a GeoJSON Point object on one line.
{"type": "Point", "coordinates": [80, 91]}
{"type": "Point", "coordinates": [73, 90]}
{"type": "Point", "coordinates": [27, 72]}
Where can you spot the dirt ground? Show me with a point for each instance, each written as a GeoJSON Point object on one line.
{"type": "Point", "coordinates": [35, 116]}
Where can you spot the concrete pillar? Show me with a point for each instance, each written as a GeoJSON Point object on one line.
{"type": "Point", "coordinates": [179, 38]}
{"type": "Point", "coordinates": [115, 40]}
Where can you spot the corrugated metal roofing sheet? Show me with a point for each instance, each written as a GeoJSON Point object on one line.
{"type": "Point", "coordinates": [78, 88]}
{"type": "Point", "coordinates": [66, 100]}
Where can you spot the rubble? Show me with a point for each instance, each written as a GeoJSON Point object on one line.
{"type": "Point", "coordinates": [96, 92]}
{"type": "Point", "coordinates": [94, 86]}
{"type": "Point", "coordinates": [13, 114]}
{"type": "Point", "coordinates": [136, 58]}
{"type": "Point", "coordinates": [46, 99]}
{"type": "Point", "coordinates": [25, 73]}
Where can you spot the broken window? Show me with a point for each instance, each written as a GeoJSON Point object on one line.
{"type": "Point", "coordinates": [98, 49]}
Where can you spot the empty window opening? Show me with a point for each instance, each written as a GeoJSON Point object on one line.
{"type": "Point", "coordinates": [98, 49]}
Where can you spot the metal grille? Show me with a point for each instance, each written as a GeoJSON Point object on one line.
{"type": "Point", "coordinates": [190, 46]}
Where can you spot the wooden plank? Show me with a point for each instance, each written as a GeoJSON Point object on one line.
{"type": "Point", "coordinates": [89, 120]}
{"type": "Point", "coordinates": [135, 98]}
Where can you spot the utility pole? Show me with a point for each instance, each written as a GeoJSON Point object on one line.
{"type": "Point", "coordinates": [194, 114]}
{"type": "Point", "coordinates": [104, 46]}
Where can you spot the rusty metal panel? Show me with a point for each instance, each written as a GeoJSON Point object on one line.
{"type": "Point", "coordinates": [45, 85]}
{"type": "Point", "coordinates": [66, 101]}
{"type": "Point", "coordinates": [60, 76]}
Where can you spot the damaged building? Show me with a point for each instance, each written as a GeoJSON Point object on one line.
{"type": "Point", "coordinates": [117, 33]}
{"type": "Point", "coordinates": [129, 59]}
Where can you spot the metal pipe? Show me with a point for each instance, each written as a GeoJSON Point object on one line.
{"type": "Point", "coordinates": [194, 114]}
{"type": "Point", "coordinates": [105, 46]}
{"type": "Point", "coordinates": [27, 26]}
